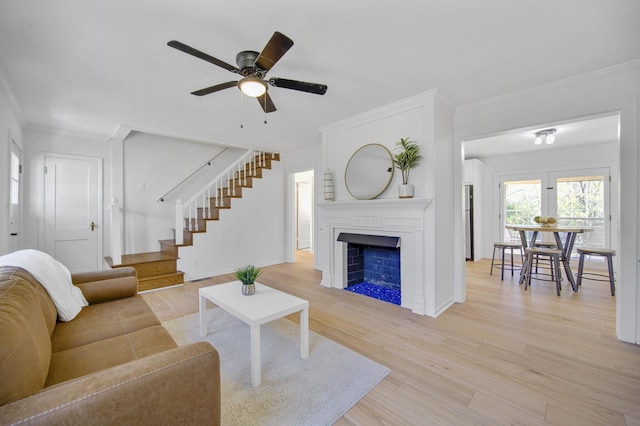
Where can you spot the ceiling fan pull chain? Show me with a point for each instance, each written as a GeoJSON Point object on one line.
{"type": "Point", "coordinates": [265, 108]}
{"type": "Point", "coordinates": [241, 111]}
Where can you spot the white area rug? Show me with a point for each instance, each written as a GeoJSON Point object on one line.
{"type": "Point", "coordinates": [315, 391]}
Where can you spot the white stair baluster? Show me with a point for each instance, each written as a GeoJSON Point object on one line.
{"type": "Point", "coordinates": [190, 221]}
{"type": "Point", "coordinates": [209, 203]}
{"type": "Point", "coordinates": [179, 224]}
{"type": "Point", "coordinates": [253, 159]}
{"type": "Point", "coordinates": [245, 173]}
{"type": "Point", "coordinates": [221, 194]}
{"type": "Point", "coordinates": [228, 184]}
{"type": "Point", "coordinates": [195, 213]}
{"type": "Point", "coordinates": [233, 180]}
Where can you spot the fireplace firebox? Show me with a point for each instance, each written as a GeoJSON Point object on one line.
{"type": "Point", "coordinates": [373, 266]}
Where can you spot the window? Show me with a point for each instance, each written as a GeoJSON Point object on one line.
{"type": "Point", "coordinates": [15, 179]}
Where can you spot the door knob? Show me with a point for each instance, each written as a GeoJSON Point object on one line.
{"type": "Point", "coordinates": [93, 226]}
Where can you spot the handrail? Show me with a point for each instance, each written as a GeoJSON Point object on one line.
{"type": "Point", "coordinates": [188, 175]}
{"type": "Point", "coordinates": [243, 167]}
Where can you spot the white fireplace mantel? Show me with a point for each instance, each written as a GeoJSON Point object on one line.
{"type": "Point", "coordinates": [402, 218]}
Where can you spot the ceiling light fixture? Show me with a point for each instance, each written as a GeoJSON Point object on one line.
{"type": "Point", "coordinates": [253, 86]}
{"type": "Point", "coordinates": [548, 136]}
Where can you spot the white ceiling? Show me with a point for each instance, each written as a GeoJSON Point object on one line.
{"type": "Point", "coordinates": [597, 130]}
{"type": "Point", "coordinates": [92, 66]}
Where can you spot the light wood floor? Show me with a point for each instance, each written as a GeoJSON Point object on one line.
{"type": "Point", "coordinates": [505, 356]}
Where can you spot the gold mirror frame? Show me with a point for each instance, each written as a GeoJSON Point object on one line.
{"type": "Point", "coordinates": [369, 171]}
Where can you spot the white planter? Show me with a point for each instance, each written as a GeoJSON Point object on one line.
{"type": "Point", "coordinates": [405, 191]}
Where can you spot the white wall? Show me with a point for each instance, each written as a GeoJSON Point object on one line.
{"type": "Point", "coordinates": [616, 89]}
{"type": "Point", "coordinates": [10, 126]}
{"type": "Point", "coordinates": [590, 156]}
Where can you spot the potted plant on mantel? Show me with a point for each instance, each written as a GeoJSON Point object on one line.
{"type": "Point", "coordinates": [407, 157]}
{"type": "Point", "coordinates": [247, 276]}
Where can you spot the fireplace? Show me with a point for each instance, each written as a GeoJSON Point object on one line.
{"type": "Point", "coordinates": [380, 221]}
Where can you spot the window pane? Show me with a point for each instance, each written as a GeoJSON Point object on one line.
{"type": "Point", "coordinates": [580, 201]}
{"type": "Point", "coordinates": [523, 202]}
{"type": "Point", "coordinates": [15, 178]}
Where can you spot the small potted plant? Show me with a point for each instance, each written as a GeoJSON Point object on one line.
{"type": "Point", "coordinates": [406, 157]}
{"type": "Point", "coordinates": [247, 276]}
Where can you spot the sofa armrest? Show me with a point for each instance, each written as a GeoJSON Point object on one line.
{"type": "Point", "coordinates": [107, 285]}
{"type": "Point", "coordinates": [179, 386]}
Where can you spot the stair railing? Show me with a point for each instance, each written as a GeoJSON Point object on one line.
{"type": "Point", "coordinates": [223, 183]}
{"type": "Point", "coordinates": [188, 175]}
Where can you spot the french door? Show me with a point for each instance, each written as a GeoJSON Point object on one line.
{"type": "Point", "coordinates": [575, 198]}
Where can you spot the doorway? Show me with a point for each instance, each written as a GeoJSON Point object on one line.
{"type": "Point", "coordinates": [303, 195]}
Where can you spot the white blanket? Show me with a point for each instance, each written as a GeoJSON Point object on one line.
{"type": "Point", "coordinates": [54, 277]}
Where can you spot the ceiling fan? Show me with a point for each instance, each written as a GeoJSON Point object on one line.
{"type": "Point", "coordinates": [253, 67]}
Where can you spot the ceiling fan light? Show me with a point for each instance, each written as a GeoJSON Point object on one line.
{"type": "Point", "coordinates": [253, 87]}
{"type": "Point", "coordinates": [551, 138]}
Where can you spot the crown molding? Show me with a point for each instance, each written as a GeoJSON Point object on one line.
{"type": "Point", "coordinates": [545, 87]}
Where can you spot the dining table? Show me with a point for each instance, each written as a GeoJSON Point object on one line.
{"type": "Point", "coordinates": [565, 247]}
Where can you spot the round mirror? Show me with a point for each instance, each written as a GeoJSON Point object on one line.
{"type": "Point", "coordinates": [369, 171]}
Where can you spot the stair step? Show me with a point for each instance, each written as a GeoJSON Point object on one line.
{"type": "Point", "coordinates": [151, 282]}
{"type": "Point", "coordinates": [170, 248]}
{"type": "Point", "coordinates": [148, 263]}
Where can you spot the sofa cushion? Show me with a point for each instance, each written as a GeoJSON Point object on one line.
{"type": "Point", "coordinates": [103, 321]}
{"type": "Point", "coordinates": [80, 361]}
{"type": "Point", "coordinates": [25, 349]}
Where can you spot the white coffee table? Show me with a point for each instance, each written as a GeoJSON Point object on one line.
{"type": "Point", "coordinates": [267, 304]}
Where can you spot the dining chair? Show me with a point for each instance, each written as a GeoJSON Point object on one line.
{"type": "Point", "coordinates": [503, 247]}
{"type": "Point", "coordinates": [602, 252]}
{"type": "Point", "coordinates": [555, 257]}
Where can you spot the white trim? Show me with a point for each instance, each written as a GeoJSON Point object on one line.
{"type": "Point", "coordinates": [549, 86]}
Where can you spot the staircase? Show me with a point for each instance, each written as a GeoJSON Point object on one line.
{"type": "Point", "coordinates": [159, 269]}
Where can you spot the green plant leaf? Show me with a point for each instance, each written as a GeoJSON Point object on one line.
{"type": "Point", "coordinates": [248, 274]}
{"type": "Point", "coordinates": [406, 157]}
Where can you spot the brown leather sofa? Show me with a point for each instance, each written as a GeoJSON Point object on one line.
{"type": "Point", "coordinates": [113, 364]}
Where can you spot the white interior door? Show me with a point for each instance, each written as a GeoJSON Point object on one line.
{"type": "Point", "coordinates": [304, 211]}
{"type": "Point", "coordinates": [72, 206]}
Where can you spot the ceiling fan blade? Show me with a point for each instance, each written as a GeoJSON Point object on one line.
{"type": "Point", "coordinates": [266, 103]}
{"type": "Point", "coordinates": [276, 47]}
{"type": "Point", "coordinates": [215, 88]}
{"type": "Point", "coordinates": [318, 89]}
{"type": "Point", "coordinates": [198, 54]}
